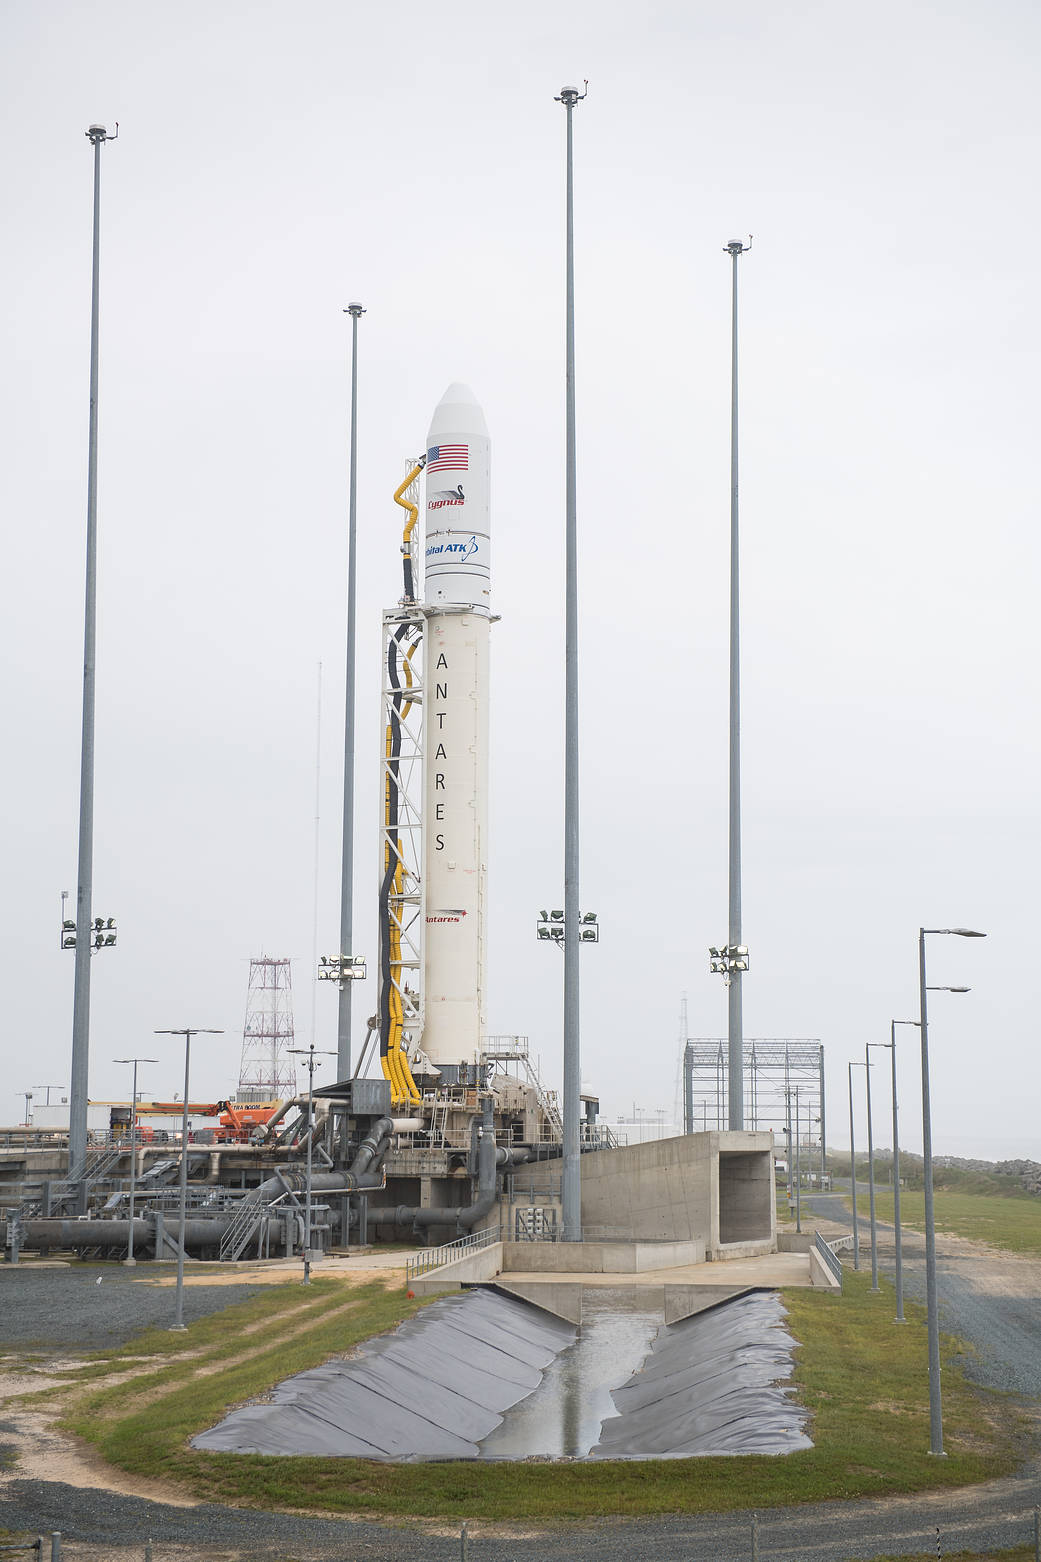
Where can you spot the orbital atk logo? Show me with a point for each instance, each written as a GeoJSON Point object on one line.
{"type": "Point", "coordinates": [461, 551]}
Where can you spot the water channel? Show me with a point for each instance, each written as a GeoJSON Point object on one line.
{"type": "Point", "coordinates": [562, 1418]}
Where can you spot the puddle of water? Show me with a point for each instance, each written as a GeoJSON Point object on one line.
{"type": "Point", "coordinates": [561, 1418]}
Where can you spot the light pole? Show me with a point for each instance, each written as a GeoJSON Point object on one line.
{"type": "Point", "coordinates": [343, 1025]}
{"type": "Point", "coordinates": [28, 1107]}
{"type": "Point", "coordinates": [97, 135]}
{"type": "Point", "coordinates": [130, 1260]}
{"type": "Point", "coordinates": [891, 1044]}
{"type": "Point", "coordinates": [571, 1181]}
{"type": "Point", "coordinates": [798, 1167]}
{"type": "Point", "coordinates": [853, 1171]}
{"type": "Point", "coordinates": [187, 1031]}
{"type": "Point", "coordinates": [932, 1310]}
{"type": "Point", "coordinates": [735, 1034]}
{"type": "Point", "coordinates": [309, 1054]}
{"type": "Point", "coordinates": [871, 1171]}
{"type": "Point", "coordinates": [48, 1089]}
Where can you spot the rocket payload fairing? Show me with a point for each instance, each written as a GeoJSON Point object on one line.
{"type": "Point", "coordinates": [457, 613]}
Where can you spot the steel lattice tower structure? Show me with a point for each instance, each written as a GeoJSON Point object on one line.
{"type": "Point", "coordinates": [267, 1072]}
{"type": "Point", "coordinates": [773, 1069]}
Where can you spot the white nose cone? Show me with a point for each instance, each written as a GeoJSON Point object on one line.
{"type": "Point", "coordinates": [458, 504]}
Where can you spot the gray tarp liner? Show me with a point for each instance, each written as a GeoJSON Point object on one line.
{"type": "Point", "coordinates": [430, 1390]}
{"type": "Point", "coordinates": [710, 1386]}
{"type": "Point", "coordinates": [439, 1384]}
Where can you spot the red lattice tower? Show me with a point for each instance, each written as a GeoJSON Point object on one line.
{"type": "Point", "coordinates": [267, 1071]}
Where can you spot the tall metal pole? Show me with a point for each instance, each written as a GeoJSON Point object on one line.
{"type": "Point", "coordinates": [853, 1174]}
{"type": "Point", "coordinates": [317, 859]}
{"type": "Point", "coordinates": [896, 1178]}
{"type": "Point", "coordinates": [97, 134]}
{"type": "Point", "coordinates": [182, 1180]}
{"type": "Point", "coordinates": [343, 1025]}
{"type": "Point", "coordinates": [187, 1032]}
{"type": "Point", "coordinates": [130, 1260]}
{"type": "Point", "coordinates": [735, 1036]}
{"type": "Point", "coordinates": [571, 1183]}
{"type": "Point", "coordinates": [932, 1308]}
{"type": "Point", "coordinates": [932, 1311]}
{"type": "Point", "coordinates": [798, 1167]}
{"type": "Point", "coordinates": [871, 1171]}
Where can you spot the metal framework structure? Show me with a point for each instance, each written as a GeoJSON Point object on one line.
{"type": "Point", "coordinates": [401, 844]}
{"type": "Point", "coordinates": [773, 1070]}
{"type": "Point", "coordinates": [267, 1072]}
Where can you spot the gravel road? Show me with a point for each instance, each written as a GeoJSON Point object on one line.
{"type": "Point", "coordinates": [992, 1299]}
{"type": "Point", "coordinates": [103, 1526]}
{"type": "Point", "coordinates": [66, 1307]}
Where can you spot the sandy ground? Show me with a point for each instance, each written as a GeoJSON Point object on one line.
{"type": "Point", "coordinates": [1004, 1288]}
{"type": "Point", "coordinates": [43, 1453]}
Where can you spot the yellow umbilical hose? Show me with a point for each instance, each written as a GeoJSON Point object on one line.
{"type": "Point", "coordinates": [410, 525]}
{"type": "Point", "coordinates": [394, 1062]}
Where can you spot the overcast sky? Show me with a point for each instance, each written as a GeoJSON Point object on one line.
{"type": "Point", "coordinates": [275, 162]}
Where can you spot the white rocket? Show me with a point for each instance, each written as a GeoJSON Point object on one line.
{"type": "Point", "coordinates": [457, 612]}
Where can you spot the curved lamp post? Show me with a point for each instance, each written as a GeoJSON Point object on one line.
{"type": "Point", "coordinates": [932, 1315]}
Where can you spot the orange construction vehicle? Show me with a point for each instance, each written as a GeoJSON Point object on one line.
{"type": "Point", "coordinates": [237, 1120]}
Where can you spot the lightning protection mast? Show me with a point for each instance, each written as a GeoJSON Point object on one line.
{"type": "Point", "coordinates": [343, 1020]}
{"type": "Point", "coordinates": [736, 954]}
{"type": "Point", "coordinates": [571, 1191]}
{"type": "Point", "coordinates": [97, 135]}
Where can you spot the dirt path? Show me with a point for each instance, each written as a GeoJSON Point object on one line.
{"type": "Point", "coordinates": [994, 1299]}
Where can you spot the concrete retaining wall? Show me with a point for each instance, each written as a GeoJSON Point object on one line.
{"type": "Point", "coordinates": [598, 1258]}
{"type": "Point", "coordinates": [716, 1189]}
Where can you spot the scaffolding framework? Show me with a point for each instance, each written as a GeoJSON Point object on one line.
{"type": "Point", "coordinates": [401, 846]}
{"type": "Point", "coordinates": [783, 1090]}
{"type": "Point", "coordinates": [267, 1072]}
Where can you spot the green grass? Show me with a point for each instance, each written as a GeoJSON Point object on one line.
{"type": "Point", "coordinates": [1013, 1224]}
{"type": "Point", "coordinates": [862, 1377]}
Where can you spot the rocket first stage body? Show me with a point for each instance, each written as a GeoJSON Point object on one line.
{"type": "Point", "coordinates": [456, 608]}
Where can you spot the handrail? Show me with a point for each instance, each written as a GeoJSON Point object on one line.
{"type": "Point", "coordinates": [436, 1257]}
{"type": "Point", "coordinates": [828, 1254]}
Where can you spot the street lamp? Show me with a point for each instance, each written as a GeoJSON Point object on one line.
{"type": "Point", "coordinates": [48, 1089]}
{"type": "Point", "coordinates": [891, 1044]}
{"type": "Point", "coordinates": [871, 1172]}
{"type": "Point", "coordinates": [187, 1031]}
{"type": "Point", "coordinates": [853, 1170]}
{"type": "Point", "coordinates": [309, 1054]}
{"type": "Point", "coordinates": [932, 1314]}
{"type": "Point", "coordinates": [130, 1260]}
{"type": "Point", "coordinates": [28, 1107]}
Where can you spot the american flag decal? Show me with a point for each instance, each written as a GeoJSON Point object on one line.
{"type": "Point", "coordinates": [447, 458]}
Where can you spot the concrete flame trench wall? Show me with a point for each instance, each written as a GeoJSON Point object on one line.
{"type": "Point", "coordinates": [715, 1188]}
